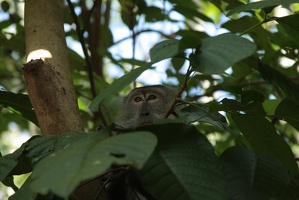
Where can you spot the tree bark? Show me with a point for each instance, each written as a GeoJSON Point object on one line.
{"type": "Point", "coordinates": [48, 77]}
{"type": "Point", "coordinates": [47, 71]}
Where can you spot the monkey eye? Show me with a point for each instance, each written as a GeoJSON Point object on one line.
{"type": "Point", "coordinates": [137, 99]}
{"type": "Point", "coordinates": [151, 97]}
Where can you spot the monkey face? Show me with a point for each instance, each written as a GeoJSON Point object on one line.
{"type": "Point", "coordinates": [145, 104]}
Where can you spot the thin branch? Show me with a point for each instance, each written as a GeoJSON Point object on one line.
{"type": "Point", "coordinates": [83, 45]}
{"type": "Point", "coordinates": [139, 32]}
{"type": "Point", "coordinates": [170, 109]}
{"type": "Point", "coordinates": [87, 59]}
{"type": "Point", "coordinates": [265, 20]}
{"type": "Point", "coordinates": [87, 23]}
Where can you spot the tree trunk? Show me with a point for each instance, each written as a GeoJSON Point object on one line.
{"type": "Point", "coordinates": [48, 77]}
{"type": "Point", "coordinates": [47, 72]}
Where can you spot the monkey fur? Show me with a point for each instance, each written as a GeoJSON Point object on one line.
{"type": "Point", "coordinates": [140, 107]}
{"type": "Point", "coordinates": [145, 104]}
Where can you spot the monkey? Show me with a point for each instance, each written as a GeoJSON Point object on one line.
{"type": "Point", "coordinates": [140, 107]}
{"type": "Point", "coordinates": [145, 104]}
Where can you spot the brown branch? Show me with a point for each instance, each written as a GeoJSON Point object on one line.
{"type": "Point", "coordinates": [181, 90]}
{"type": "Point", "coordinates": [47, 74]}
{"type": "Point", "coordinates": [87, 60]}
{"type": "Point", "coordinates": [83, 46]}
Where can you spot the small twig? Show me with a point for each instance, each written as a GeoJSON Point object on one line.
{"type": "Point", "coordinates": [265, 20]}
{"type": "Point", "coordinates": [170, 109]}
{"type": "Point", "coordinates": [139, 32]}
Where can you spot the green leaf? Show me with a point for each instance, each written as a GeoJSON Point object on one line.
{"type": "Point", "coordinates": [263, 138]}
{"type": "Point", "coordinates": [190, 38]}
{"type": "Point", "coordinates": [9, 181]}
{"type": "Point", "coordinates": [290, 24]}
{"type": "Point", "coordinates": [249, 96]}
{"type": "Point", "coordinates": [275, 77]}
{"type": "Point", "coordinates": [183, 166]}
{"type": "Point", "coordinates": [253, 176]}
{"type": "Point", "coordinates": [14, 163]}
{"type": "Point", "coordinates": [41, 147]}
{"type": "Point", "coordinates": [31, 152]}
{"type": "Point", "coordinates": [233, 106]}
{"type": "Point", "coordinates": [201, 113]}
{"type": "Point", "coordinates": [288, 110]}
{"type": "Point", "coordinates": [261, 5]}
{"type": "Point", "coordinates": [118, 85]}
{"type": "Point", "coordinates": [19, 104]}
{"type": "Point", "coordinates": [191, 13]}
{"type": "Point", "coordinates": [89, 157]}
{"type": "Point", "coordinates": [5, 6]}
{"type": "Point", "coordinates": [127, 13]}
{"type": "Point", "coordinates": [153, 14]}
{"type": "Point", "coordinates": [164, 49]}
{"type": "Point", "coordinates": [218, 53]}
{"type": "Point", "coordinates": [25, 192]}
{"type": "Point", "coordinates": [254, 6]}
{"type": "Point", "coordinates": [76, 61]}
{"type": "Point", "coordinates": [270, 106]}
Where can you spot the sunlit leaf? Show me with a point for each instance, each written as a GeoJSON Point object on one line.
{"type": "Point", "coordinates": [191, 13]}
{"type": "Point", "coordinates": [253, 6]}
{"type": "Point", "coordinates": [25, 192]}
{"type": "Point", "coordinates": [270, 106]}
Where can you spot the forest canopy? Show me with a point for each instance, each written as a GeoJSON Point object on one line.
{"type": "Point", "coordinates": [234, 64]}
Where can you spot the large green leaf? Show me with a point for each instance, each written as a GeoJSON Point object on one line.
{"type": "Point", "coordinates": [118, 85]}
{"type": "Point", "coordinates": [191, 12]}
{"type": "Point", "coordinates": [25, 192]}
{"type": "Point", "coordinates": [184, 165]}
{"type": "Point", "coordinates": [270, 106]}
{"type": "Point", "coordinates": [263, 138]}
{"type": "Point", "coordinates": [31, 152]}
{"type": "Point", "coordinates": [153, 14]}
{"type": "Point", "coordinates": [164, 49]}
{"type": "Point", "coordinates": [89, 157]}
{"type": "Point", "coordinates": [127, 13]}
{"type": "Point", "coordinates": [288, 110]}
{"type": "Point", "coordinates": [236, 107]}
{"type": "Point", "coordinates": [260, 5]}
{"type": "Point", "coordinates": [275, 77]}
{"type": "Point", "coordinates": [254, 176]}
{"type": "Point", "coordinates": [19, 104]}
{"type": "Point", "coordinates": [216, 54]}
{"type": "Point", "coordinates": [201, 113]}
{"type": "Point", "coordinates": [290, 24]}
